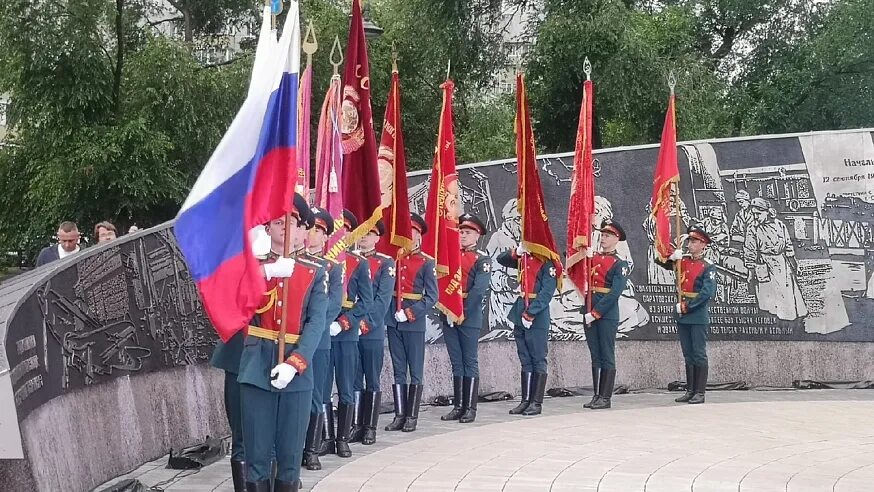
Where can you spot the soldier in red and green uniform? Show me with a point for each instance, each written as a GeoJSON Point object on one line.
{"type": "Point", "coordinates": [697, 287]}
{"type": "Point", "coordinates": [609, 275]}
{"type": "Point", "coordinates": [461, 340]}
{"type": "Point", "coordinates": [276, 394]}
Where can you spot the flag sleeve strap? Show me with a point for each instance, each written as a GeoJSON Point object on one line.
{"type": "Point", "coordinates": [314, 325]}
{"type": "Point", "coordinates": [481, 281]}
{"type": "Point", "coordinates": [421, 307]}
{"type": "Point", "coordinates": [547, 288]}
{"type": "Point", "coordinates": [508, 259]}
{"type": "Point", "coordinates": [608, 300]}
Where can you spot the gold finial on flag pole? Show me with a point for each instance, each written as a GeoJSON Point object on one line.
{"type": "Point", "coordinates": [336, 51]}
{"type": "Point", "coordinates": [587, 68]}
{"type": "Point", "coordinates": [394, 57]}
{"type": "Point", "coordinates": [310, 44]}
{"type": "Point", "coordinates": [672, 81]}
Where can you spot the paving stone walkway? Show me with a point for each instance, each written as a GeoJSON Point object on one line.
{"type": "Point", "coordinates": [739, 440]}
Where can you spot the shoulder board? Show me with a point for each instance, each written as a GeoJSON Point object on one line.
{"type": "Point", "coordinates": [383, 256]}
{"type": "Point", "coordinates": [308, 263]}
{"type": "Point", "coordinates": [355, 255]}
{"type": "Point", "coordinates": [426, 256]}
{"type": "Point", "coordinates": [482, 253]}
{"type": "Point", "coordinates": [708, 261]}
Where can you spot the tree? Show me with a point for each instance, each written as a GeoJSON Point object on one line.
{"type": "Point", "coordinates": [109, 121]}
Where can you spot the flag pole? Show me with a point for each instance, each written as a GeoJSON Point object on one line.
{"type": "Point", "coordinates": [678, 267]}
{"type": "Point", "coordinates": [587, 68]}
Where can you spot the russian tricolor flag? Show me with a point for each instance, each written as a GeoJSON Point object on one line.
{"type": "Point", "coordinates": [249, 180]}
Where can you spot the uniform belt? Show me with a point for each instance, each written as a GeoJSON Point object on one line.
{"type": "Point", "coordinates": [412, 297]}
{"type": "Point", "coordinates": [348, 304]}
{"type": "Point", "coordinates": [690, 295]}
{"type": "Point", "coordinates": [602, 290]}
{"type": "Point", "coordinates": [259, 332]}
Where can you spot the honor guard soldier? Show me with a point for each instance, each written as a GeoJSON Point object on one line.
{"type": "Point", "coordinates": [371, 343]}
{"type": "Point", "coordinates": [416, 294]}
{"type": "Point", "coordinates": [226, 357]}
{"type": "Point", "coordinates": [461, 339]}
{"type": "Point", "coordinates": [321, 414]}
{"type": "Point", "coordinates": [530, 317]}
{"type": "Point", "coordinates": [697, 287]}
{"type": "Point", "coordinates": [609, 274]}
{"type": "Point", "coordinates": [277, 395]}
{"type": "Point", "coordinates": [345, 331]}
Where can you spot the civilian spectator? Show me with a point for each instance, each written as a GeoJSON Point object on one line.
{"type": "Point", "coordinates": [104, 232]}
{"type": "Point", "coordinates": [68, 243]}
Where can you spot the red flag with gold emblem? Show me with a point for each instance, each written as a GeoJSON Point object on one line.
{"type": "Point", "coordinates": [536, 235]}
{"type": "Point", "coordinates": [443, 241]}
{"type": "Point", "coordinates": [392, 165]}
{"type": "Point", "coordinates": [361, 193]}
{"type": "Point", "coordinates": [667, 176]}
{"type": "Point", "coordinates": [582, 200]}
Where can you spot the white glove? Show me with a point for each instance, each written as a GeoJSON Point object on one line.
{"type": "Point", "coordinates": [359, 332]}
{"type": "Point", "coordinates": [281, 268]}
{"type": "Point", "coordinates": [590, 252]}
{"type": "Point", "coordinates": [335, 328]}
{"type": "Point", "coordinates": [677, 254]}
{"type": "Point", "coordinates": [679, 307]}
{"type": "Point", "coordinates": [526, 323]}
{"type": "Point", "coordinates": [589, 318]}
{"type": "Point", "coordinates": [281, 375]}
{"type": "Point", "coordinates": [401, 317]}
{"type": "Point", "coordinates": [520, 250]}
{"type": "Point", "coordinates": [450, 323]}
{"type": "Point", "coordinates": [260, 241]}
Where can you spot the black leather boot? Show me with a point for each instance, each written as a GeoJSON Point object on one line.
{"type": "Point", "coordinates": [456, 411]}
{"type": "Point", "coordinates": [414, 398]}
{"type": "Point", "coordinates": [345, 413]}
{"type": "Point", "coordinates": [399, 392]}
{"type": "Point", "coordinates": [470, 396]}
{"type": "Point", "coordinates": [700, 385]}
{"type": "Point", "coordinates": [262, 486]}
{"type": "Point", "coordinates": [596, 376]}
{"type": "Point", "coordinates": [357, 428]}
{"type": "Point", "coordinates": [328, 430]}
{"type": "Point", "coordinates": [537, 391]}
{"type": "Point", "coordinates": [313, 443]}
{"type": "Point", "coordinates": [608, 377]}
{"type": "Point", "coordinates": [527, 383]}
{"type": "Point", "coordinates": [238, 475]}
{"type": "Point", "coordinates": [281, 486]}
{"type": "Point", "coordinates": [372, 399]}
{"type": "Point", "coordinates": [690, 385]}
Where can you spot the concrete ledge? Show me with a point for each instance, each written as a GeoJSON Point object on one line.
{"type": "Point", "coordinates": [84, 438]}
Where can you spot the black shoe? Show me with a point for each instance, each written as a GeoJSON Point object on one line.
{"type": "Point", "coordinates": [372, 399]}
{"type": "Point", "coordinates": [537, 391]}
{"type": "Point", "coordinates": [700, 385]}
{"type": "Point", "coordinates": [470, 396]}
{"type": "Point", "coordinates": [527, 382]}
{"type": "Point", "coordinates": [399, 392]}
{"type": "Point", "coordinates": [262, 486]}
{"type": "Point", "coordinates": [414, 399]}
{"type": "Point", "coordinates": [690, 385]}
{"type": "Point", "coordinates": [608, 377]}
{"type": "Point", "coordinates": [313, 443]}
{"type": "Point", "coordinates": [596, 375]}
{"type": "Point", "coordinates": [238, 475]}
{"type": "Point", "coordinates": [456, 411]}
{"type": "Point", "coordinates": [345, 413]}
{"type": "Point", "coordinates": [281, 486]}
{"type": "Point", "coordinates": [328, 430]}
{"type": "Point", "coordinates": [357, 428]}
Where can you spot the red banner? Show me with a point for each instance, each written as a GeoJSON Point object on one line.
{"type": "Point", "coordinates": [667, 176]}
{"type": "Point", "coordinates": [582, 199]}
{"type": "Point", "coordinates": [392, 165]}
{"type": "Point", "coordinates": [444, 206]}
{"type": "Point", "coordinates": [360, 175]}
{"type": "Point", "coordinates": [536, 235]}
